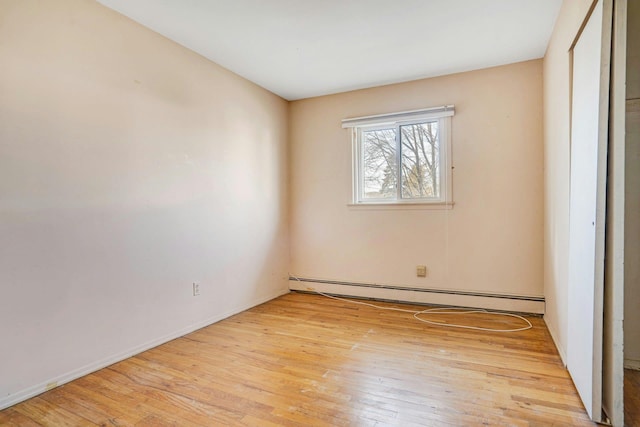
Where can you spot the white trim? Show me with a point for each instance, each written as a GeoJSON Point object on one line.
{"type": "Point", "coordinates": [613, 330]}
{"type": "Point", "coordinates": [59, 380]}
{"type": "Point", "coordinates": [398, 170]}
{"type": "Point", "coordinates": [504, 302]}
{"type": "Point", "coordinates": [446, 167]}
{"type": "Point", "coordinates": [355, 161]}
{"type": "Point", "coordinates": [441, 116]}
{"type": "Point", "coordinates": [401, 206]}
{"type": "Point", "coordinates": [632, 364]}
{"type": "Point", "coordinates": [425, 113]}
{"type": "Point", "coordinates": [560, 350]}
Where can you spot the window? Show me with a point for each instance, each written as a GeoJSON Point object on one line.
{"type": "Point", "coordinates": [402, 158]}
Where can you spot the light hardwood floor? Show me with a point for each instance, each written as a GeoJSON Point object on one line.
{"type": "Point", "coordinates": [631, 398]}
{"type": "Point", "coordinates": [303, 360]}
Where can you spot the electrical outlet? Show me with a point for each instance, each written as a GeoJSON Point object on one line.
{"type": "Point", "coordinates": [421, 271]}
{"type": "Point", "coordinates": [196, 289]}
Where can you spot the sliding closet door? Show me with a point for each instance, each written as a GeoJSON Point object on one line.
{"type": "Point", "coordinates": [613, 355]}
{"type": "Point", "coordinates": [589, 118]}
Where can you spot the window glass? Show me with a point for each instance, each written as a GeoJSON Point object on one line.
{"type": "Point", "coordinates": [403, 158]}
{"type": "Point", "coordinates": [420, 160]}
{"type": "Point", "coordinates": [379, 164]}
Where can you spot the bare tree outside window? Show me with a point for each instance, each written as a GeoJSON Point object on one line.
{"type": "Point", "coordinates": [379, 163]}
{"type": "Point", "coordinates": [403, 158]}
{"type": "Point", "coordinates": [419, 162]}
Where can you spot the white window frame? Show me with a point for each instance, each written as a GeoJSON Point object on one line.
{"type": "Point", "coordinates": [384, 121]}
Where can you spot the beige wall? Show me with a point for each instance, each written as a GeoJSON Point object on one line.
{"type": "Point", "coordinates": [632, 190]}
{"type": "Point", "coordinates": [129, 168]}
{"type": "Point", "coordinates": [557, 131]}
{"type": "Point", "coordinates": [491, 241]}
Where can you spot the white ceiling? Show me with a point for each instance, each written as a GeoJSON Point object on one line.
{"type": "Point", "coordinates": [303, 48]}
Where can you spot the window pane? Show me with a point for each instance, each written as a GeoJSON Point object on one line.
{"type": "Point", "coordinates": [420, 160]}
{"type": "Point", "coordinates": [379, 164]}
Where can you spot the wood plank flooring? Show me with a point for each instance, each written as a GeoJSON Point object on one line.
{"type": "Point", "coordinates": [303, 360]}
{"type": "Point", "coordinates": [631, 398]}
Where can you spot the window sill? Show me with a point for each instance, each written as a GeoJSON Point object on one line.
{"type": "Point", "coordinates": [401, 206]}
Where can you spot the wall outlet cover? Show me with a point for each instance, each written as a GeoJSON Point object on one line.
{"type": "Point", "coordinates": [421, 271]}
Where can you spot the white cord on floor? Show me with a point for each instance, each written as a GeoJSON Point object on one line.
{"type": "Point", "coordinates": [436, 310]}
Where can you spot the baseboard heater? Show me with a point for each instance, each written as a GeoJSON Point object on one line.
{"type": "Point", "coordinates": [507, 302]}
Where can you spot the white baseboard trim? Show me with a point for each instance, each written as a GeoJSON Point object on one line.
{"type": "Point", "coordinates": [632, 364]}
{"type": "Point", "coordinates": [59, 380]}
{"type": "Point", "coordinates": [560, 350]}
{"type": "Point", "coordinates": [517, 303]}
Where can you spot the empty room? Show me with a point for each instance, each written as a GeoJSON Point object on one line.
{"type": "Point", "coordinates": [319, 213]}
